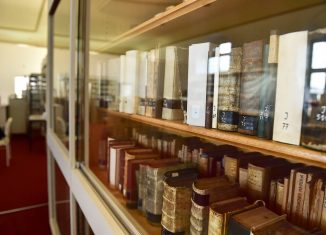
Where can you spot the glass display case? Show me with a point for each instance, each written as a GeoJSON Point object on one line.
{"type": "Point", "coordinates": [182, 106]}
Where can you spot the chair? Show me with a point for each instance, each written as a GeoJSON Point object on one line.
{"type": "Point", "coordinates": [5, 142]}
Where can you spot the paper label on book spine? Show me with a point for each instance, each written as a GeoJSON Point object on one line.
{"type": "Point", "coordinates": [255, 179]}
{"type": "Point", "coordinates": [273, 49]}
{"type": "Point", "coordinates": [215, 226]}
{"type": "Point", "coordinates": [231, 169]}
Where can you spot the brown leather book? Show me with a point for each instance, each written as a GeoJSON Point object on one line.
{"type": "Point", "coordinates": [131, 155]}
{"type": "Point", "coordinates": [251, 82]}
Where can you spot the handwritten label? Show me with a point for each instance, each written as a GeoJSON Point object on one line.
{"type": "Point", "coordinates": [321, 117]}
{"type": "Point", "coordinates": [255, 180]}
{"type": "Point", "coordinates": [266, 113]}
{"type": "Point", "coordinates": [285, 121]}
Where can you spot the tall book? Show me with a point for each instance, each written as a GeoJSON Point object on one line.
{"type": "Point", "coordinates": [216, 71]}
{"type": "Point", "coordinates": [212, 66]}
{"type": "Point", "coordinates": [229, 88]}
{"type": "Point", "coordinates": [314, 113]}
{"type": "Point", "coordinates": [175, 82]}
{"type": "Point", "coordinates": [141, 90]}
{"type": "Point", "coordinates": [290, 74]}
{"type": "Point", "coordinates": [155, 83]}
{"type": "Point", "coordinates": [251, 80]}
{"type": "Point", "coordinates": [197, 82]}
{"type": "Point", "coordinates": [268, 88]}
{"type": "Point", "coordinates": [122, 82]}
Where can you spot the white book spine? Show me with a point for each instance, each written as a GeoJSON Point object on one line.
{"type": "Point", "coordinates": [197, 80]}
{"type": "Point", "coordinates": [131, 81]}
{"type": "Point", "coordinates": [290, 87]}
{"type": "Point", "coordinates": [122, 81]}
{"type": "Point", "coordinates": [113, 160]}
{"type": "Point", "coordinates": [216, 84]}
{"type": "Point", "coordinates": [142, 83]}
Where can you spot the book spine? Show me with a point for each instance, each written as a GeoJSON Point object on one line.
{"type": "Point", "coordinates": [251, 80]}
{"type": "Point", "coordinates": [289, 102]}
{"type": "Point", "coordinates": [279, 196]}
{"type": "Point", "coordinates": [243, 178]}
{"type": "Point", "coordinates": [272, 195]}
{"type": "Point", "coordinates": [209, 90]}
{"type": "Point", "coordinates": [121, 82]}
{"type": "Point", "coordinates": [141, 99]}
{"type": "Point", "coordinates": [229, 90]}
{"type": "Point", "coordinates": [267, 95]}
{"type": "Point", "coordinates": [215, 223]}
{"type": "Point", "coordinates": [298, 196]}
{"type": "Point", "coordinates": [290, 193]}
{"type": "Point", "coordinates": [323, 214]}
{"type": "Point", "coordinates": [255, 183]}
{"type": "Point", "coordinates": [113, 159]}
{"type": "Point", "coordinates": [285, 195]}
{"type": "Point", "coordinates": [197, 79]}
{"type": "Point", "coordinates": [216, 86]}
{"type": "Point", "coordinates": [231, 166]}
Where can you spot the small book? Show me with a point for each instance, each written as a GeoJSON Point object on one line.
{"type": "Point", "coordinates": [155, 175]}
{"type": "Point", "coordinates": [155, 83]}
{"type": "Point", "coordinates": [220, 212]}
{"type": "Point", "coordinates": [247, 222]}
{"type": "Point", "coordinates": [251, 81]}
{"type": "Point", "coordinates": [197, 83]}
{"type": "Point", "coordinates": [279, 227]}
{"type": "Point", "coordinates": [175, 82]}
{"type": "Point", "coordinates": [229, 88]}
{"type": "Point", "coordinates": [177, 199]}
{"type": "Point", "coordinates": [206, 191]}
{"type": "Point", "coordinates": [289, 102]}
{"type": "Point", "coordinates": [141, 90]}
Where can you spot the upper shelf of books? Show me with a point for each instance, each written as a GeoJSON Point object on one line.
{"type": "Point", "coordinates": [193, 19]}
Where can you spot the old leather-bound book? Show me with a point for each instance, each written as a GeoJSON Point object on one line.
{"type": "Point", "coordinates": [129, 156]}
{"type": "Point", "coordinates": [177, 200]}
{"type": "Point", "coordinates": [175, 82]}
{"type": "Point", "coordinates": [220, 212]}
{"type": "Point", "coordinates": [155, 83]}
{"type": "Point", "coordinates": [268, 88]}
{"type": "Point", "coordinates": [247, 222]}
{"type": "Point", "coordinates": [251, 81]}
{"type": "Point", "coordinates": [229, 89]}
{"type": "Point", "coordinates": [206, 191]}
{"type": "Point", "coordinates": [141, 90]}
{"type": "Point", "coordinates": [154, 197]}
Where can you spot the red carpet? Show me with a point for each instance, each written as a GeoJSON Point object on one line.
{"type": "Point", "coordinates": [23, 184]}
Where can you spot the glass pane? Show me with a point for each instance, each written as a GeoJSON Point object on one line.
{"type": "Point", "coordinates": [61, 61]}
{"type": "Point", "coordinates": [319, 55]}
{"type": "Point", "coordinates": [172, 88]}
{"type": "Point", "coordinates": [83, 227]}
{"type": "Point", "coordinates": [62, 198]}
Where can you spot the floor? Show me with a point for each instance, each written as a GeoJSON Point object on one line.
{"type": "Point", "coordinates": [23, 189]}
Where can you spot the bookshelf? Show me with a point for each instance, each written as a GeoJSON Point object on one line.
{"type": "Point", "coordinates": [290, 152]}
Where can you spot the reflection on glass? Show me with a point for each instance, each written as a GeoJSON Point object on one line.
{"type": "Point", "coordinates": [61, 71]}
{"type": "Point", "coordinates": [62, 199]}
{"type": "Point", "coordinates": [319, 55]}
{"type": "Point", "coordinates": [317, 83]}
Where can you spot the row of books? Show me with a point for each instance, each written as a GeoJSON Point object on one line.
{"type": "Point", "coordinates": [203, 188]}
{"type": "Point", "coordinates": [275, 88]}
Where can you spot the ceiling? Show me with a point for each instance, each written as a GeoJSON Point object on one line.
{"type": "Point", "coordinates": [25, 22]}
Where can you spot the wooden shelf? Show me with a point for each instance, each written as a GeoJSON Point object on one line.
{"type": "Point", "coordinates": [138, 216]}
{"type": "Point", "coordinates": [195, 18]}
{"type": "Point", "coordinates": [291, 152]}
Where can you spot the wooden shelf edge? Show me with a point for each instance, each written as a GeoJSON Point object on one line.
{"type": "Point", "coordinates": [161, 18]}
{"type": "Point", "coordinates": [288, 151]}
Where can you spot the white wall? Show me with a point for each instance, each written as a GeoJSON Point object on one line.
{"type": "Point", "coordinates": [15, 61]}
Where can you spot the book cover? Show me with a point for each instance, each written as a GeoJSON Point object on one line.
{"type": "Point", "coordinates": [289, 102]}
{"type": "Point", "coordinates": [175, 82]}
{"type": "Point", "coordinates": [141, 90]}
{"type": "Point", "coordinates": [197, 83]}
{"type": "Point", "coordinates": [155, 83]}
{"type": "Point", "coordinates": [251, 81]}
{"type": "Point", "coordinates": [131, 80]}
{"type": "Point", "coordinates": [229, 89]}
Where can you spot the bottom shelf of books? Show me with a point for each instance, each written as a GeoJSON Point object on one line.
{"type": "Point", "coordinates": [180, 185]}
